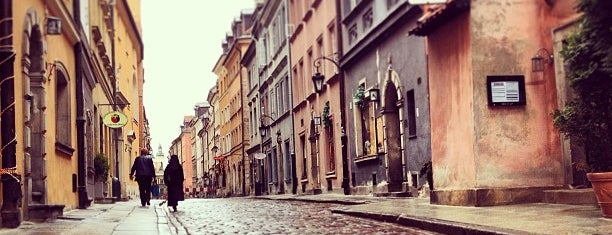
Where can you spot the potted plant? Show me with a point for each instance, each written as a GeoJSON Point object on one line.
{"type": "Point", "coordinates": [101, 168]}
{"type": "Point", "coordinates": [359, 96]}
{"type": "Point", "coordinates": [587, 118]}
{"type": "Point", "coordinates": [326, 120]}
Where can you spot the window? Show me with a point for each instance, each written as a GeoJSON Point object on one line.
{"type": "Point", "coordinates": [411, 113]}
{"type": "Point", "coordinates": [321, 53]}
{"type": "Point", "coordinates": [368, 19]}
{"type": "Point", "coordinates": [365, 124]}
{"type": "Point", "coordinates": [287, 161]}
{"type": "Point", "coordinates": [352, 31]}
{"type": "Point", "coordinates": [332, 42]}
{"type": "Point", "coordinates": [304, 158]}
{"type": "Point", "coordinates": [63, 115]}
{"type": "Point", "coordinates": [272, 171]}
{"type": "Point", "coordinates": [331, 158]}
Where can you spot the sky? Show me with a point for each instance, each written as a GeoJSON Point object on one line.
{"type": "Point", "coordinates": [182, 42]}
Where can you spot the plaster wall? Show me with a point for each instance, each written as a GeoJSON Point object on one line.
{"type": "Point", "coordinates": [311, 23]}
{"type": "Point", "coordinates": [452, 124]}
{"type": "Point", "coordinates": [389, 50]}
{"type": "Point", "coordinates": [475, 145]}
{"type": "Point", "coordinates": [59, 167]}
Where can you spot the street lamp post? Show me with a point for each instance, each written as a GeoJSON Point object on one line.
{"type": "Point", "coordinates": [318, 79]}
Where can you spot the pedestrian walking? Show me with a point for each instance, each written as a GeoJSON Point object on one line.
{"type": "Point", "coordinates": [155, 189]}
{"type": "Point", "coordinates": [173, 178]}
{"type": "Point", "coordinates": [145, 171]}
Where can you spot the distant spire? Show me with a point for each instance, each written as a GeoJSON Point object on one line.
{"type": "Point", "coordinates": [160, 153]}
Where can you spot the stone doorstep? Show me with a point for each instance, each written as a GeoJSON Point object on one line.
{"type": "Point", "coordinates": [105, 200]}
{"type": "Point", "coordinates": [393, 194]}
{"type": "Point", "coordinates": [489, 196]}
{"type": "Point", "coordinates": [570, 196]}
{"type": "Point", "coordinates": [40, 212]}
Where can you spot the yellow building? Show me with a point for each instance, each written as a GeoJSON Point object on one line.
{"type": "Point", "coordinates": [233, 124]}
{"type": "Point", "coordinates": [118, 52]}
{"type": "Point", "coordinates": [57, 80]}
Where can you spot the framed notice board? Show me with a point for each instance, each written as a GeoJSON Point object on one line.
{"type": "Point", "coordinates": [506, 90]}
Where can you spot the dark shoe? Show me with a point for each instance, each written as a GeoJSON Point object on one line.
{"type": "Point", "coordinates": [174, 208]}
{"type": "Point", "coordinates": [148, 203]}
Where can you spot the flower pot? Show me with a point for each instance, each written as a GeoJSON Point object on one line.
{"type": "Point", "coordinates": [602, 186]}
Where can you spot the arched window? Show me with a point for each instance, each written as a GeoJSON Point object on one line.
{"type": "Point", "coordinates": [63, 111]}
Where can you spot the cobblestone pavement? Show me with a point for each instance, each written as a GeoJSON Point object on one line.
{"type": "Point", "coordinates": [248, 216]}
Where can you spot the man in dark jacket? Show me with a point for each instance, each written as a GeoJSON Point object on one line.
{"type": "Point", "coordinates": [145, 171]}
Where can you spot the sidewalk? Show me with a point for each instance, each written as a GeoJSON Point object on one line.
{"type": "Point", "coordinates": [116, 219]}
{"type": "Point", "coordinates": [534, 218]}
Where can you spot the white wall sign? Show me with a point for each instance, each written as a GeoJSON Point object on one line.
{"type": "Point", "coordinates": [115, 119]}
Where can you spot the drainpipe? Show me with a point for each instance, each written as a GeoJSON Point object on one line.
{"type": "Point", "coordinates": [80, 117]}
{"type": "Point", "coordinates": [116, 181]}
{"type": "Point", "coordinates": [343, 138]}
{"type": "Point", "coordinates": [242, 120]}
{"type": "Point", "coordinates": [294, 178]}
{"type": "Point", "coordinates": [11, 189]}
{"type": "Point", "coordinates": [80, 122]}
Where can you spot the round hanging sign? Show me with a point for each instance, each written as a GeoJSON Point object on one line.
{"type": "Point", "coordinates": [259, 156]}
{"type": "Point", "coordinates": [115, 119]}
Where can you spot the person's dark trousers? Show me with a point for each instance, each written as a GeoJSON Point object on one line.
{"type": "Point", "coordinates": [144, 186]}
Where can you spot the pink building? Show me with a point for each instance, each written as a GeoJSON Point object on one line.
{"type": "Point", "coordinates": [318, 150]}
{"type": "Point", "coordinates": [486, 149]}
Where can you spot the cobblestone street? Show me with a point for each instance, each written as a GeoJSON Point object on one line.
{"type": "Point", "coordinates": [253, 216]}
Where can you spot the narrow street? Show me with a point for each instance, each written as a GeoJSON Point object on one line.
{"type": "Point", "coordinates": [260, 216]}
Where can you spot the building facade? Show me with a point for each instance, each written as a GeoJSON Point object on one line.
{"type": "Point", "coordinates": [317, 116]}
{"type": "Point", "coordinates": [387, 90]}
{"type": "Point", "coordinates": [492, 151]}
{"type": "Point", "coordinates": [274, 85]}
{"type": "Point", "coordinates": [58, 81]}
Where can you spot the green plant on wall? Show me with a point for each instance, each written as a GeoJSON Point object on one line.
{"type": "Point", "coordinates": [326, 121]}
{"type": "Point", "coordinates": [359, 96]}
{"type": "Point", "coordinates": [587, 118]}
{"type": "Point", "coordinates": [101, 167]}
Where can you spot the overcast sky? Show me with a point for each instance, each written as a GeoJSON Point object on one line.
{"type": "Point", "coordinates": [182, 42]}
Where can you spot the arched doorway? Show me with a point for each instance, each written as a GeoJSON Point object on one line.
{"type": "Point", "coordinates": [393, 137]}
{"type": "Point", "coordinates": [34, 83]}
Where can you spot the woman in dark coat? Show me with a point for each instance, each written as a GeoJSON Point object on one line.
{"type": "Point", "coordinates": [173, 178]}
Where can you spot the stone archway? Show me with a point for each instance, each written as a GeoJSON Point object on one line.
{"type": "Point", "coordinates": [34, 82]}
{"type": "Point", "coordinates": [393, 136]}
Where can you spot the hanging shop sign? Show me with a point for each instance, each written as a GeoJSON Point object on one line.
{"type": "Point", "coordinates": [259, 156]}
{"type": "Point", "coordinates": [115, 119]}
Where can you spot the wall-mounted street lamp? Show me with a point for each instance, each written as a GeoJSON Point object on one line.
{"type": "Point", "coordinates": [317, 81]}
{"type": "Point", "coordinates": [263, 128]}
{"type": "Point", "coordinates": [542, 56]}
{"type": "Point", "coordinates": [318, 78]}
{"type": "Point", "coordinates": [374, 94]}
{"type": "Point", "coordinates": [54, 25]}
